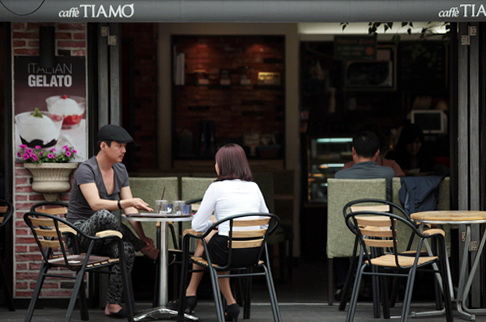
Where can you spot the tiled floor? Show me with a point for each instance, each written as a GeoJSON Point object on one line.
{"type": "Point", "coordinates": [303, 299]}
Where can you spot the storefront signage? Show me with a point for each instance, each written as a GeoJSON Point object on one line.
{"type": "Point", "coordinates": [464, 10]}
{"type": "Point", "coordinates": [240, 10]}
{"type": "Point", "coordinates": [58, 76]}
{"type": "Point", "coordinates": [99, 11]}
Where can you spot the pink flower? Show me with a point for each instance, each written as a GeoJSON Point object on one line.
{"type": "Point", "coordinates": [53, 150]}
{"type": "Point", "coordinates": [25, 156]}
{"type": "Point", "coordinates": [19, 154]}
{"type": "Point", "coordinates": [22, 146]}
{"type": "Point", "coordinates": [51, 156]}
{"type": "Point", "coordinates": [68, 154]}
{"type": "Point", "coordinates": [34, 157]}
{"type": "Point", "coordinates": [28, 151]}
{"type": "Point", "coordinates": [37, 147]}
{"type": "Point", "coordinates": [74, 151]}
{"type": "Point", "coordinates": [65, 147]}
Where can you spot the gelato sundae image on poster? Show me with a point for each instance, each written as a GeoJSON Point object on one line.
{"type": "Point", "coordinates": [50, 104]}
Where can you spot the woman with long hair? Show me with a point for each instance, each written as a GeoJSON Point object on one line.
{"type": "Point", "coordinates": [233, 193]}
{"type": "Point", "coordinates": [410, 152]}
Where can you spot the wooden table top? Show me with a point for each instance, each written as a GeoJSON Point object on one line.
{"type": "Point", "coordinates": [450, 215]}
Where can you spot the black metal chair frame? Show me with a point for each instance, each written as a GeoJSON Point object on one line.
{"type": "Point", "coordinates": [366, 256]}
{"type": "Point", "coordinates": [7, 216]}
{"type": "Point", "coordinates": [352, 268]}
{"type": "Point", "coordinates": [245, 271]}
{"type": "Point", "coordinates": [63, 229]}
{"type": "Point", "coordinates": [35, 207]}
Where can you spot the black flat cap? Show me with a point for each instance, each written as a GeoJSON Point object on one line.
{"type": "Point", "coordinates": [111, 132]}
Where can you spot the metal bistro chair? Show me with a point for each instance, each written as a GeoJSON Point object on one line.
{"type": "Point", "coordinates": [51, 207]}
{"type": "Point", "coordinates": [6, 211]}
{"type": "Point", "coordinates": [370, 204]}
{"type": "Point", "coordinates": [50, 233]}
{"type": "Point", "coordinates": [238, 240]}
{"type": "Point", "coordinates": [379, 250]}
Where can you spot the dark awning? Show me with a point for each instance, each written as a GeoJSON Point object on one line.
{"type": "Point", "coordinates": [241, 10]}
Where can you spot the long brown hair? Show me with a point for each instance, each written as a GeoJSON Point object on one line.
{"type": "Point", "coordinates": [232, 163]}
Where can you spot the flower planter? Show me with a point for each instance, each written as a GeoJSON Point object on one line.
{"type": "Point", "coordinates": [50, 179]}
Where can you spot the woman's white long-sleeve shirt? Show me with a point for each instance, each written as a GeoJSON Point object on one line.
{"type": "Point", "coordinates": [227, 198]}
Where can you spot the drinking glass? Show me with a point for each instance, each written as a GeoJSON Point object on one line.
{"type": "Point", "coordinates": [178, 207]}
{"type": "Point", "coordinates": [163, 206]}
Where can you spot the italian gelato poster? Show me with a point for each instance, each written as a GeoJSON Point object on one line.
{"type": "Point", "coordinates": [50, 105]}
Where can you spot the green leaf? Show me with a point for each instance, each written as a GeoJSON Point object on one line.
{"type": "Point", "coordinates": [37, 113]}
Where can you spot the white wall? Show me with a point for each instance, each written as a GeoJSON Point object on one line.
{"type": "Point", "coordinates": [292, 143]}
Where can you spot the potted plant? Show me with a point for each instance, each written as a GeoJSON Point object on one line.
{"type": "Point", "coordinates": [50, 169]}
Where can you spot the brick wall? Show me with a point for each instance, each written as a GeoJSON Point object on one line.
{"type": "Point", "coordinates": [70, 40]}
{"type": "Point", "coordinates": [235, 109]}
{"type": "Point", "coordinates": [139, 91]}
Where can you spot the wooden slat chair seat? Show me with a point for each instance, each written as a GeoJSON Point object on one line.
{"type": "Point", "coordinates": [403, 261]}
{"type": "Point", "coordinates": [53, 235]}
{"type": "Point", "coordinates": [6, 214]}
{"type": "Point", "coordinates": [246, 231]}
{"type": "Point", "coordinates": [377, 235]}
{"type": "Point", "coordinates": [201, 261]}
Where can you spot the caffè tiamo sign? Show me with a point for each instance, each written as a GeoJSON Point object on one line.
{"type": "Point", "coordinates": [465, 10]}
{"type": "Point", "coordinates": [99, 11]}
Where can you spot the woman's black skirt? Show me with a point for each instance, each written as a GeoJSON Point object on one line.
{"type": "Point", "coordinates": [218, 252]}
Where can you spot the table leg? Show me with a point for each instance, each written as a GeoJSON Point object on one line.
{"type": "Point", "coordinates": [461, 308]}
{"type": "Point", "coordinates": [162, 312]}
{"type": "Point", "coordinates": [471, 277]}
{"type": "Point", "coordinates": [439, 280]}
{"type": "Point", "coordinates": [462, 276]}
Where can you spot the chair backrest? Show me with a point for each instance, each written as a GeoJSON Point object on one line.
{"type": "Point", "coordinates": [340, 240]}
{"type": "Point", "coordinates": [378, 234]}
{"type": "Point", "coordinates": [194, 187]}
{"type": "Point", "coordinates": [247, 237]}
{"type": "Point", "coordinates": [150, 189]}
{"type": "Point", "coordinates": [51, 233]}
{"type": "Point", "coordinates": [51, 207]}
{"type": "Point", "coordinates": [383, 206]}
{"type": "Point", "coordinates": [6, 211]}
{"type": "Point", "coordinates": [264, 180]}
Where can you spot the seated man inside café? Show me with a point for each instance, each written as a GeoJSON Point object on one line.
{"type": "Point", "coordinates": [100, 191]}
{"type": "Point", "coordinates": [365, 150]}
{"type": "Point", "coordinates": [380, 159]}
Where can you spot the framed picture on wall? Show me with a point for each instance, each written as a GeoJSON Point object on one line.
{"type": "Point", "coordinates": [379, 74]}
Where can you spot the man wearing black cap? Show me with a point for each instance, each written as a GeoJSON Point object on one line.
{"type": "Point", "coordinates": [100, 190]}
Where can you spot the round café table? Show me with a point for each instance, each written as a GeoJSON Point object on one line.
{"type": "Point", "coordinates": [467, 218]}
{"type": "Point", "coordinates": [161, 312]}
